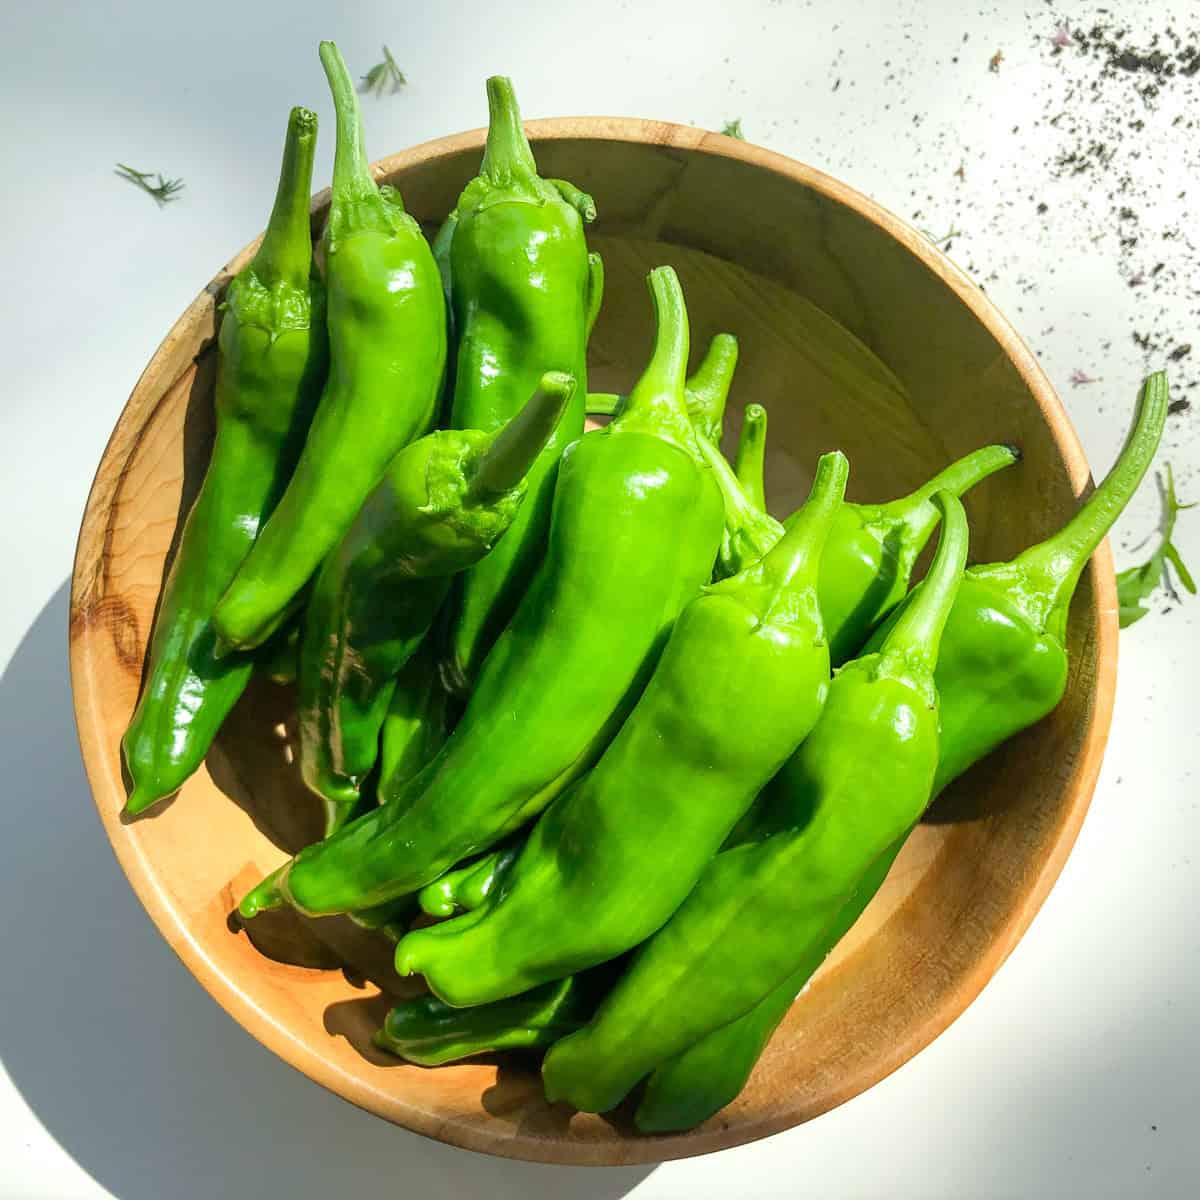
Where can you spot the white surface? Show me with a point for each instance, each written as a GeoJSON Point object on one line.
{"type": "Point", "coordinates": [1073, 1075]}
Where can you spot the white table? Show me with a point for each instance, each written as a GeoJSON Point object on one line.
{"type": "Point", "coordinates": [1075, 1073]}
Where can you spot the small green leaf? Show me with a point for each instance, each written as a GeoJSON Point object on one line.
{"type": "Point", "coordinates": [733, 129]}
{"type": "Point", "coordinates": [1185, 576]}
{"type": "Point", "coordinates": [1137, 584]}
{"type": "Point", "coordinates": [163, 190]}
{"type": "Point", "coordinates": [383, 77]}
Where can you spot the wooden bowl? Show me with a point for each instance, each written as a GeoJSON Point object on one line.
{"type": "Point", "coordinates": [855, 332]}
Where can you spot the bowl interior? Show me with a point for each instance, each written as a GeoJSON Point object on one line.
{"type": "Point", "coordinates": [855, 334]}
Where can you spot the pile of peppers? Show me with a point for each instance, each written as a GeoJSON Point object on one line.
{"type": "Point", "coordinates": [613, 756]}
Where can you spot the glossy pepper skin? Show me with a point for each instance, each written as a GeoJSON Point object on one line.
{"type": "Point", "coordinates": [633, 535]}
{"type": "Point", "coordinates": [270, 371]}
{"type": "Point", "coordinates": [521, 286]}
{"type": "Point", "coordinates": [465, 888]}
{"type": "Point", "coordinates": [416, 724]}
{"type": "Point", "coordinates": [872, 548]}
{"type": "Point", "coordinates": [428, 1031]}
{"type": "Point", "coordinates": [614, 857]}
{"type": "Point", "coordinates": [697, 1083]}
{"type": "Point", "coordinates": [860, 780]}
{"type": "Point", "coordinates": [387, 332]}
{"type": "Point", "coordinates": [1004, 658]}
{"type": "Point", "coordinates": [993, 679]}
{"type": "Point", "coordinates": [444, 502]}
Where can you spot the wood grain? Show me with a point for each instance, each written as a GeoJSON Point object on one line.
{"type": "Point", "coordinates": [855, 332]}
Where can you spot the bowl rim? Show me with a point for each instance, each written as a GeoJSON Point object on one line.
{"type": "Point", "coordinates": [650, 1149]}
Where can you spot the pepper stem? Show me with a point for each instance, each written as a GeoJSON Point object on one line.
{"type": "Point", "coordinates": [750, 532]}
{"type": "Point", "coordinates": [916, 636]}
{"type": "Point", "coordinates": [1053, 567]}
{"type": "Point", "coordinates": [602, 404]}
{"type": "Point", "coordinates": [917, 511]}
{"type": "Point", "coordinates": [798, 553]}
{"type": "Point", "coordinates": [658, 402]}
{"type": "Point", "coordinates": [285, 255]}
{"type": "Point", "coordinates": [507, 158]}
{"type": "Point", "coordinates": [708, 387]}
{"type": "Point", "coordinates": [595, 289]}
{"type": "Point", "coordinates": [513, 449]}
{"type": "Point", "coordinates": [355, 195]}
{"type": "Point", "coordinates": [751, 452]}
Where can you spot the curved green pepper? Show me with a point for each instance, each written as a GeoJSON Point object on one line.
{"type": "Point", "coordinates": [986, 657]}
{"type": "Point", "coordinates": [694, 1085]}
{"type": "Point", "coordinates": [444, 502]}
{"type": "Point", "coordinates": [387, 330]}
{"type": "Point", "coordinates": [861, 779]}
{"type": "Point", "coordinates": [633, 535]}
{"type": "Point", "coordinates": [416, 723]}
{"type": "Point", "coordinates": [465, 888]}
{"type": "Point", "coordinates": [1004, 657]}
{"type": "Point", "coordinates": [522, 289]}
{"type": "Point", "coordinates": [666, 793]}
{"type": "Point", "coordinates": [428, 1031]}
{"type": "Point", "coordinates": [269, 373]}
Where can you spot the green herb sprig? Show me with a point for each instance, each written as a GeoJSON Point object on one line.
{"type": "Point", "coordinates": [162, 189]}
{"type": "Point", "coordinates": [1138, 584]}
{"type": "Point", "coordinates": [733, 129]}
{"type": "Point", "coordinates": [384, 77]}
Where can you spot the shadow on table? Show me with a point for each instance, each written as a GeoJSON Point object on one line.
{"type": "Point", "coordinates": [124, 1059]}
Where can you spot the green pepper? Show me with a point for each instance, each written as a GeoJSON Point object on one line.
{"type": "Point", "coordinates": [416, 723]}
{"type": "Point", "coordinates": [872, 548]}
{"type": "Point", "coordinates": [444, 502]}
{"type": "Point", "coordinates": [609, 863]}
{"type": "Point", "coordinates": [521, 285]}
{"type": "Point", "coordinates": [1004, 655]}
{"type": "Point", "coordinates": [634, 532]}
{"type": "Point", "coordinates": [695, 1084]}
{"type": "Point", "coordinates": [387, 330]}
{"type": "Point", "coordinates": [430, 1032]}
{"type": "Point", "coordinates": [860, 780]}
{"type": "Point", "coordinates": [465, 888]}
{"type": "Point", "coordinates": [990, 651]}
{"type": "Point", "coordinates": [271, 365]}
{"type": "Point", "coordinates": [749, 464]}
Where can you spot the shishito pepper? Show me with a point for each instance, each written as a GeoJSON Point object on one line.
{"type": "Point", "coordinates": [444, 502]}
{"type": "Point", "coordinates": [430, 1032]}
{"type": "Point", "coordinates": [271, 366]}
{"type": "Point", "coordinates": [523, 290]}
{"type": "Point", "coordinates": [614, 857]}
{"type": "Point", "coordinates": [465, 888]}
{"type": "Point", "coordinates": [634, 532]}
{"type": "Point", "coordinates": [1004, 652]}
{"type": "Point", "coordinates": [998, 671]}
{"type": "Point", "coordinates": [387, 331]}
{"type": "Point", "coordinates": [861, 779]}
{"type": "Point", "coordinates": [690, 1087]}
